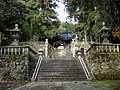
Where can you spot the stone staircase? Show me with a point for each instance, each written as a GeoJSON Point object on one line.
{"type": "Point", "coordinates": [61, 69]}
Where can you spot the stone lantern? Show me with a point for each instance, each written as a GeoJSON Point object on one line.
{"type": "Point", "coordinates": [15, 33]}
{"type": "Point", "coordinates": [104, 34]}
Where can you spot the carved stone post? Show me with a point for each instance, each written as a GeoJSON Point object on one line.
{"type": "Point", "coordinates": [73, 47]}
{"type": "Point", "coordinates": [46, 47]}
{"type": "Point", "coordinates": [0, 37]}
{"type": "Point", "coordinates": [27, 66]}
{"type": "Point", "coordinates": [40, 52]}
{"type": "Point", "coordinates": [76, 38]}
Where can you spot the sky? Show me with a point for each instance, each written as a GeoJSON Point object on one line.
{"type": "Point", "coordinates": [62, 14]}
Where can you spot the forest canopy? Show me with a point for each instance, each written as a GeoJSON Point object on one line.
{"type": "Point", "coordinates": [38, 17]}
{"type": "Point", "coordinates": [91, 13]}
{"type": "Point", "coordinates": [34, 17]}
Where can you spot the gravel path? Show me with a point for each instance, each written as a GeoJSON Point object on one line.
{"type": "Point", "coordinates": [78, 85]}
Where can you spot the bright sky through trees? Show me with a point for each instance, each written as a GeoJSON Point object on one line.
{"type": "Point", "coordinates": [62, 14]}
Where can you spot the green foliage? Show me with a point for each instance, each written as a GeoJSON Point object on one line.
{"type": "Point", "coordinates": [41, 18]}
{"type": "Point", "coordinates": [69, 27]}
{"type": "Point", "coordinates": [11, 12]}
{"type": "Point", "coordinates": [64, 26]}
{"type": "Point", "coordinates": [35, 17]}
{"type": "Point", "coordinates": [27, 29]}
{"type": "Point", "coordinates": [91, 13]}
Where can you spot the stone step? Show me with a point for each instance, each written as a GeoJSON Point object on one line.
{"type": "Point", "coordinates": [61, 79]}
{"type": "Point", "coordinates": [61, 66]}
{"type": "Point", "coordinates": [61, 73]}
{"type": "Point", "coordinates": [58, 66]}
{"type": "Point", "coordinates": [61, 76]}
{"type": "Point", "coordinates": [60, 60]}
{"type": "Point", "coordinates": [61, 70]}
{"type": "Point", "coordinates": [61, 63]}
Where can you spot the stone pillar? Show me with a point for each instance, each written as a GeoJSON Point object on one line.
{"type": "Point", "coordinates": [0, 37]}
{"type": "Point", "coordinates": [82, 52]}
{"type": "Point", "coordinates": [73, 47]}
{"type": "Point", "coordinates": [76, 39]}
{"type": "Point", "coordinates": [46, 47]}
{"type": "Point", "coordinates": [27, 66]}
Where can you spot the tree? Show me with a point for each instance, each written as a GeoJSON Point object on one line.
{"type": "Point", "coordinates": [116, 32]}
{"type": "Point", "coordinates": [41, 18]}
{"type": "Point", "coordinates": [35, 17]}
{"type": "Point", "coordinates": [11, 12]}
{"type": "Point", "coordinates": [91, 13]}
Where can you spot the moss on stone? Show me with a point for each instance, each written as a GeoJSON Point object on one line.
{"type": "Point", "coordinates": [114, 84]}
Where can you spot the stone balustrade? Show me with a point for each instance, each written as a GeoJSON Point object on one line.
{"type": "Point", "coordinates": [14, 50]}
{"type": "Point", "coordinates": [103, 48]}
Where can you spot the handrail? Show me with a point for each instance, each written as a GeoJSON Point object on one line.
{"type": "Point", "coordinates": [51, 47]}
{"type": "Point", "coordinates": [51, 50]}
{"type": "Point", "coordinates": [84, 67]}
{"type": "Point", "coordinates": [37, 69]}
{"type": "Point", "coordinates": [32, 50]}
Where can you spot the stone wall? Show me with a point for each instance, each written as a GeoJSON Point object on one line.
{"type": "Point", "coordinates": [104, 65]}
{"type": "Point", "coordinates": [16, 67]}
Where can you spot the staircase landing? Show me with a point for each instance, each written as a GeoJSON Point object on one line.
{"type": "Point", "coordinates": [79, 85]}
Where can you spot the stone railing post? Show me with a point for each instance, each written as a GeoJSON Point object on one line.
{"type": "Point", "coordinates": [73, 47]}
{"type": "Point", "coordinates": [46, 47]}
{"type": "Point", "coordinates": [0, 37]}
{"type": "Point", "coordinates": [27, 66]}
{"type": "Point", "coordinates": [76, 39]}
